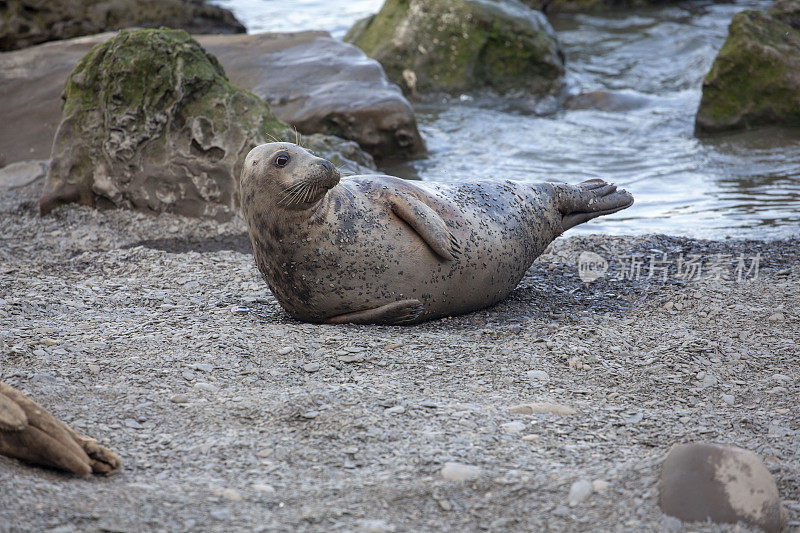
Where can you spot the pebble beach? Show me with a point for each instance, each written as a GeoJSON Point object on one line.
{"type": "Point", "coordinates": [549, 411]}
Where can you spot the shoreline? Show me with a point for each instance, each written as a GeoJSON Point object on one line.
{"type": "Point", "coordinates": [157, 336]}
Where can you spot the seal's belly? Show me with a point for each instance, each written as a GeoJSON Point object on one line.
{"type": "Point", "coordinates": [363, 255]}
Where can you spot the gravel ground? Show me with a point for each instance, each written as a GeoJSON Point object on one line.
{"type": "Point", "coordinates": [157, 336]}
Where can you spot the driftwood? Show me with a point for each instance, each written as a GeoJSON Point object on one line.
{"type": "Point", "coordinates": [30, 433]}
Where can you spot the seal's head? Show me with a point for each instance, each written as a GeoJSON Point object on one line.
{"type": "Point", "coordinates": [286, 176]}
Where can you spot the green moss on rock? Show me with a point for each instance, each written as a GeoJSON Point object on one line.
{"type": "Point", "coordinates": [462, 45]}
{"type": "Point", "coordinates": [151, 122]}
{"type": "Point", "coordinates": [755, 79]}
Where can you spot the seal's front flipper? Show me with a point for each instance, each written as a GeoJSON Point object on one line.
{"type": "Point", "coordinates": [590, 199]}
{"type": "Point", "coordinates": [395, 313]}
{"type": "Point", "coordinates": [428, 224]}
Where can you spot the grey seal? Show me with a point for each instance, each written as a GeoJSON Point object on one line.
{"type": "Point", "coordinates": [378, 249]}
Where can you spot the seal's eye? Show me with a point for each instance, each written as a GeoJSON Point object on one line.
{"type": "Point", "coordinates": [281, 160]}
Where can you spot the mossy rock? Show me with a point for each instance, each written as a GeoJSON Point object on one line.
{"type": "Point", "coordinates": [456, 46]}
{"type": "Point", "coordinates": [755, 79]}
{"type": "Point", "coordinates": [28, 22]}
{"type": "Point", "coordinates": [151, 122]}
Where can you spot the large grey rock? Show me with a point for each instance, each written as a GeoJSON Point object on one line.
{"type": "Point", "coordinates": [322, 85]}
{"type": "Point", "coordinates": [367, 110]}
{"type": "Point", "coordinates": [725, 484]}
{"type": "Point", "coordinates": [463, 45]}
{"type": "Point", "coordinates": [151, 122]}
{"type": "Point", "coordinates": [28, 22]}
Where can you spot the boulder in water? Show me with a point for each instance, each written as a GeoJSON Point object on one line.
{"type": "Point", "coordinates": [456, 46]}
{"type": "Point", "coordinates": [755, 79]}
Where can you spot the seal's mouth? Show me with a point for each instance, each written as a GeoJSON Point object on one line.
{"type": "Point", "coordinates": [321, 177]}
{"type": "Point", "coordinates": [332, 179]}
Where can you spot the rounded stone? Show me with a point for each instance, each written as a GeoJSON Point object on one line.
{"type": "Point", "coordinates": [724, 484]}
{"type": "Point", "coordinates": [579, 491]}
{"type": "Point", "coordinates": [453, 471]}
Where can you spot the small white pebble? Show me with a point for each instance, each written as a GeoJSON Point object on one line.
{"type": "Point", "coordinates": [728, 398]}
{"type": "Point", "coordinates": [460, 472]}
{"type": "Point", "coordinates": [229, 494]}
{"type": "Point", "coordinates": [776, 317]}
{"type": "Point", "coordinates": [311, 367]}
{"type": "Point", "coordinates": [538, 376]}
{"type": "Point", "coordinates": [513, 427]}
{"type": "Point", "coordinates": [579, 491]}
{"type": "Point", "coordinates": [268, 489]}
{"type": "Point", "coordinates": [206, 387]}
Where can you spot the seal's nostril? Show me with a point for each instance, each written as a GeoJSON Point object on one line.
{"type": "Point", "coordinates": [327, 165]}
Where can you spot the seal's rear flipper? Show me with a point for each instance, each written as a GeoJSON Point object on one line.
{"type": "Point", "coordinates": [590, 199]}
{"type": "Point", "coordinates": [395, 313]}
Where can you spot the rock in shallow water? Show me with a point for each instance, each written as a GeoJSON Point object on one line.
{"type": "Point", "coordinates": [593, 6]}
{"type": "Point", "coordinates": [753, 80]}
{"type": "Point", "coordinates": [462, 45]}
{"type": "Point", "coordinates": [725, 484]}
